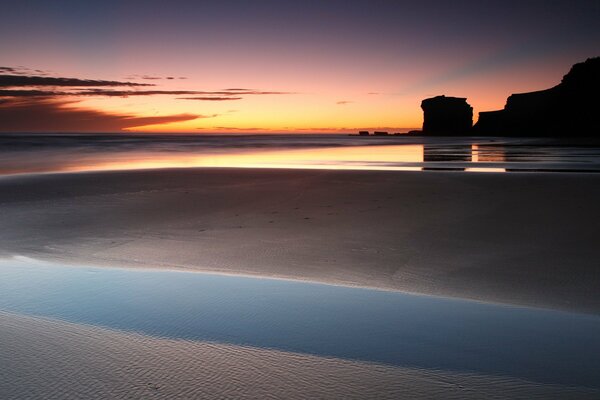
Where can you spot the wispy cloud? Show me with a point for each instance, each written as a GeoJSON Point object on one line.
{"type": "Point", "coordinates": [50, 115]}
{"type": "Point", "coordinates": [153, 77]}
{"type": "Point", "coordinates": [13, 85]}
{"type": "Point", "coordinates": [250, 92]}
{"type": "Point", "coordinates": [20, 70]}
{"type": "Point", "coordinates": [22, 81]}
{"type": "Point", "coordinates": [32, 103]}
{"type": "Point", "coordinates": [204, 95]}
{"type": "Point", "coordinates": [343, 102]}
{"type": "Point", "coordinates": [89, 92]}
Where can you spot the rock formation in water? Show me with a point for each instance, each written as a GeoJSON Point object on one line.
{"type": "Point", "coordinates": [569, 109]}
{"type": "Point", "coordinates": [447, 116]}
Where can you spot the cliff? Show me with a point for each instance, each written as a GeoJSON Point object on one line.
{"type": "Point", "coordinates": [568, 109]}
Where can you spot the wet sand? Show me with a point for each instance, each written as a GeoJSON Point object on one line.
{"type": "Point", "coordinates": [49, 359]}
{"type": "Point", "coordinates": [522, 238]}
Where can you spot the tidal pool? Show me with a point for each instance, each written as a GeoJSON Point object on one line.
{"type": "Point", "coordinates": [345, 322]}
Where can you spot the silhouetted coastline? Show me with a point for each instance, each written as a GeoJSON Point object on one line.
{"type": "Point", "coordinates": [569, 109]}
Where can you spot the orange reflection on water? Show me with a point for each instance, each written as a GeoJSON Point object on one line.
{"type": "Point", "coordinates": [356, 157]}
{"type": "Point", "coordinates": [486, 169]}
{"type": "Point", "coordinates": [482, 153]}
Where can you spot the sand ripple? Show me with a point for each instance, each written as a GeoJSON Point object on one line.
{"type": "Point", "coordinates": [42, 358]}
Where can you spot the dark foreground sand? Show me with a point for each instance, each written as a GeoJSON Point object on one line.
{"type": "Point", "coordinates": [531, 239]}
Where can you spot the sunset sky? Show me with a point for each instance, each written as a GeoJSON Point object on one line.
{"type": "Point", "coordinates": [274, 66]}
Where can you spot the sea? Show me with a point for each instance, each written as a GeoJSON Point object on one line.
{"type": "Point", "coordinates": [72, 152]}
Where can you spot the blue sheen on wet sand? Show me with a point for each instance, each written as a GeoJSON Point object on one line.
{"type": "Point", "coordinates": [346, 322]}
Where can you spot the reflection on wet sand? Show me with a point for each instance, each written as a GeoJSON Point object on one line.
{"type": "Point", "coordinates": [403, 157]}
{"type": "Point", "coordinates": [488, 153]}
{"type": "Point", "coordinates": [400, 155]}
{"type": "Point", "coordinates": [451, 153]}
{"type": "Point", "coordinates": [385, 327]}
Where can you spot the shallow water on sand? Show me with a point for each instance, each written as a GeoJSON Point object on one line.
{"type": "Point", "coordinates": [344, 322]}
{"type": "Point", "coordinates": [22, 153]}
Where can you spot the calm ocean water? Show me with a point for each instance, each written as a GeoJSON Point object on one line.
{"type": "Point", "coordinates": [35, 153]}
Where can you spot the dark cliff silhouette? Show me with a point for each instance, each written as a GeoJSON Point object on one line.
{"type": "Point", "coordinates": [446, 116]}
{"type": "Point", "coordinates": [570, 108]}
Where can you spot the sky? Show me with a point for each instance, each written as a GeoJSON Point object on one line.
{"type": "Point", "coordinates": [275, 66]}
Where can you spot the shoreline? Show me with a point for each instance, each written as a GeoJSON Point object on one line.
{"type": "Point", "coordinates": [344, 232]}
{"type": "Point", "coordinates": [37, 347]}
{"type": "Point", "coordinates": [71, 263]}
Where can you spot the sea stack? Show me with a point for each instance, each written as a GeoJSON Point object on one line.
{"type": "Point", "coordinates": [447, 116]}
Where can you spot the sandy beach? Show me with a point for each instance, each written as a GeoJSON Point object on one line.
{"type": "Point", "coordinates": [520, 238]}
{"type": "Point", "coordinates": [56, 360]}
{"type": "Point", "coordinates": [300, 200]}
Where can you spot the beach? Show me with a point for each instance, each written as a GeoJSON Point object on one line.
{"type": "Point", "coordinates": [57, 360]}
{"type": "Point", "coordinates": [521, 238]}
{"type": "Point", "coordinates": [285, 200]}
{"type": "Point", "coordinates": [509, 239]}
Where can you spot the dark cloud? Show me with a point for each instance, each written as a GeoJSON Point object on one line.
{"type": "Point", "coordinates": [97, 92]}
{"type": "Point", "coordinates": [210, 98]}
{"type": "Point", "coordinates": [23, 81]}
{"type": "Point", "coordinates": [106, 92]}
{"type": "Point", "coordinates": [90, 92]}
{"type": "Point", "coordinates": [51, 115]}
{"type": "Point", "coordinates": [29, 93]}
{"type": "Point", "coordinates": [31, 102]}
{"type": "Point", "coordinates": [13, 84]}
{"type": "Point", "coordinates": [127, 93]}
{"type": "Point", "coordinates": [34, 103]}
{"type": "Point", "coordinates": [205, 95]}
{"type": "Point", "coordinates": [9, 70]}
{"type": "Point", "coordinates": [22, 71]}
{"type": "Point", "coordinates": [344, 102]}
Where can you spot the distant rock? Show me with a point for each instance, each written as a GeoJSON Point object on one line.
{"type": "Point", "coordinates": [447, 116]}
{"type": "Point", "coordinates": [569, 109]}
{"type": "Point", "coordinates": [363, 133]}
{"type": "Point", "coordinates": [380, 133]}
